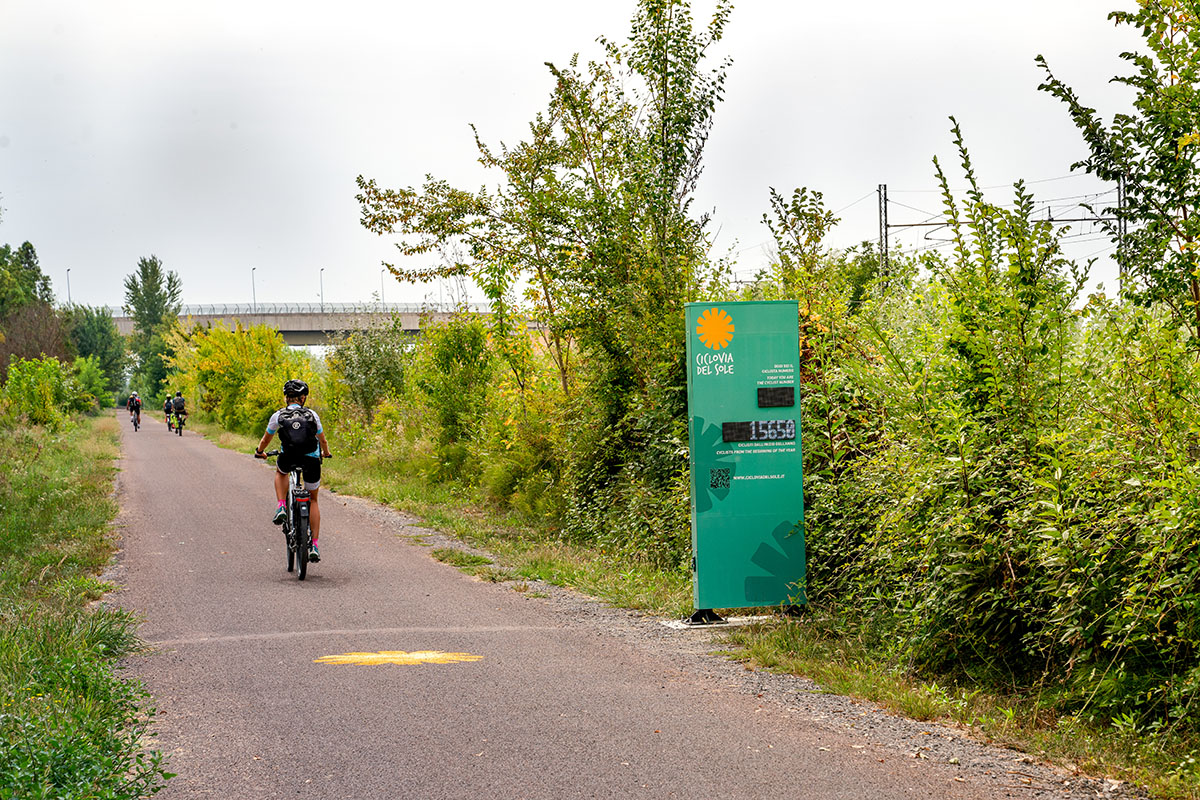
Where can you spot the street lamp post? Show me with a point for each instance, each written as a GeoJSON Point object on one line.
{"type": "Point", "coordinates": [253, 293]}
{"type": "Point", "coordinates": [382, 299]}
{"type": "Point", "coordinates": [68, 286]}
{"type": "Point", "coordinates": [322, 277]}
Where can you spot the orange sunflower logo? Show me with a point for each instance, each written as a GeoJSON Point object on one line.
{"type": "Point", "coordinates": [715, 328]}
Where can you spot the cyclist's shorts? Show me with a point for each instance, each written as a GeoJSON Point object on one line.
{"type": "Point", "coordinates": [311, 465]}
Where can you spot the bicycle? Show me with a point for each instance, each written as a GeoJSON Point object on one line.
{"type": "Point", "coordinates": [295, 524]}
{"type": "Point", "coordinates": [179, 418]}
{"type": "Point", "coordinates": [170, 422]}
{"type": "Point", "coordinates": [136, 419]}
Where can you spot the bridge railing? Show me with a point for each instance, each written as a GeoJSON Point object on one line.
{"type": "Point", "coordinates": [229, 309]}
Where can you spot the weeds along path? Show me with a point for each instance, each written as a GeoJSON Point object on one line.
{"type": "Point", "coordinates": [460, 688]}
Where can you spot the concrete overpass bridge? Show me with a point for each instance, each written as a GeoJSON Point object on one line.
{"type": "Point", "coordinates": [307, 323]}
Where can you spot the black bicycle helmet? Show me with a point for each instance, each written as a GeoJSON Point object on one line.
{"type": "Point", "coordinates": [179, 394]}
{"type": "Point", "coordinates": [295, 388]}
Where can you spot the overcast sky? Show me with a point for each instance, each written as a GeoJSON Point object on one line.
{"type": "Point", "coordinates": [226, 136]}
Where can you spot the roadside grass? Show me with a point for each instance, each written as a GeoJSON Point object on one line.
{"type": "Point", "coordinates": [843, 657]}
{"type": "Point", "coordinates": [476, 565]}
{"type": "Point", "coordinates": [70, 726]}
{"type": "Point", "coordinates": [459, 558]}
{"type": "Point", "coordinates": [836, 652]}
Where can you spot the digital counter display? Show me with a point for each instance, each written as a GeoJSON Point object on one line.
{"type": "Point", "coordinates": [759, 430]}
{"type": "Point", "coordinates": [777, 397]}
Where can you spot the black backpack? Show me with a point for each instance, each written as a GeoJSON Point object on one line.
{"type": "Point", "coordinates": [298, 430]}
{"type": "Point", "coordinates": [177, 403]}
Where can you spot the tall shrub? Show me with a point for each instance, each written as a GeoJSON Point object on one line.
{"type": "Point", "coordinates": [370, 365]}
{"type": "Point", "coordinates": [453, 367]}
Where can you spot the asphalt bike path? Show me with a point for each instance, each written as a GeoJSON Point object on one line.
{"type": "Point", "coordinates": [507, 695]}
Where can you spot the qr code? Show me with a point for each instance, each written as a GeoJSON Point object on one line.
{"type": "Point", "coordinates": [719, 478]}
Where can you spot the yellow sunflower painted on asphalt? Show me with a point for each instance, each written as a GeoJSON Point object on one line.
{"type": "Point", "coordinates": [715, 328]}
{"type": "Point", "coordinates": [397, 657]}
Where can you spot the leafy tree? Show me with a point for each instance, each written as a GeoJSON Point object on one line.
{"type": "Point", "coordinates": [34, 330]}
{"type": "Point", "coordinates": [592, 208]}
{"type": "Point", "coordinates": [593, 214]}
{"type": "Point", "coordinates": [799, 227]}
{"type": "Point", "coordinates": [152, 299]}
{"type": "Point", "coordinates": [95, 335]}
{"type": "Point", "coordinates": [29, 325]}
{"type": "Point", "coordinates": [21, 279]}
{"type": "Point", "coordinates": [152, 295]}
{"type": "Point", "coordinates": [1155, 150]}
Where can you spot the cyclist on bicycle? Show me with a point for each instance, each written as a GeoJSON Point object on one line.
{"type": "Point", "coordinates": [302, 440]}
{"type": "Point", "coordinates": [134, 404]}
{"type": "Point", "coordinates": [167, 411]}
{"type": "Point", "coordinates": [179, 405]}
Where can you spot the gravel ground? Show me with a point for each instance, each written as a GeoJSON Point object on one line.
{"type": "Point", "coordinates": [1012, 773]}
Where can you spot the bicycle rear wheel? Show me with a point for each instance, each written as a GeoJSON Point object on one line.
{"type": "Point", "coordinates": [289, 544]}
{"type": "Point", "coordinates": [302, 543]}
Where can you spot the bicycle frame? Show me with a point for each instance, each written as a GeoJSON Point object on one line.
{"type": "Point", "coordinates": [298, 496]}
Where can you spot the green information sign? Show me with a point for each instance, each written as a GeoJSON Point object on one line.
{"type": "Point", "coordinates": [747, 481]}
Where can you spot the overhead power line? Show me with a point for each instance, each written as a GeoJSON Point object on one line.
{"type": "Point", "coordinates": [997, 186]}
{"type": "Point", "coordinates": [1050, 206]}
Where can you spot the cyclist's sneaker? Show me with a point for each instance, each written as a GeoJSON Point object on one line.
{"type": "Point", "coordinates": [280, 515]}
{"type": "Point", "coordinates": [314, 555]}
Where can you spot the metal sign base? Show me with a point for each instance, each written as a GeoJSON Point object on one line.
{"type": "Point", "coordinates": [703, 616]}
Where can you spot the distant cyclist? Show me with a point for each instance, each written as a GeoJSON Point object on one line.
{"type": "Point", "coordinates": [179, 406]}
{"type": "Point", "coordinates": [302, 440]}
{"type": "Point", "coordinates": [134, 404]}
{"type": "Point", "coordinates": [167, 411]}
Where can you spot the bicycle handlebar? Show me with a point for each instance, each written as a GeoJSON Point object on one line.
{"type": "Point", "coordinates": [273, 453]}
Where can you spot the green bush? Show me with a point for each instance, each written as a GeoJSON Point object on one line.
{"type": "Point", "coordinates": [452, 368]}
{"type": "Point", "coordinates": [235, 377]}
{"type": "Point", "coordinates": [71, 727]}
{"type": "Point", "coordinates": [1001, 484]}
{"type": "Point", "coordinates": [628, 490]}
{"type": "Point", "coordinates": [93, 381]}
{"type": "Point", "coordinates": [43, 391]}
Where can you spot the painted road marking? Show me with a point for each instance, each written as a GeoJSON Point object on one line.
{"type": "Point", "coordinates": [397, 657]}
{"type": "Point", "coordinates": [283, 635]}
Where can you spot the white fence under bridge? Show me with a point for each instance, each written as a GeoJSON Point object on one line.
{"type": "Point", "coordinates": [308, 323]}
